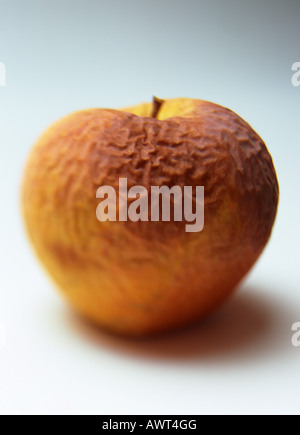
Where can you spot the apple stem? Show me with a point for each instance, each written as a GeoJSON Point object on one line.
{"type": "Point", "coordinates": [157, 103]}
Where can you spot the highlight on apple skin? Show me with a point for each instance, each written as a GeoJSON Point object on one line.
{"type": "Point", "coordinates": [144, 277]}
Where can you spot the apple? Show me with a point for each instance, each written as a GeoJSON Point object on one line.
{"type": "Point", "coordinates": [140, 277]}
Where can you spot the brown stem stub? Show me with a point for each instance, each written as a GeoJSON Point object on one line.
{"type": "Point", "coordinates": [157, 103]}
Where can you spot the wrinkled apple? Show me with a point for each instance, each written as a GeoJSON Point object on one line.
{"type": "Point", "coordinates": [143, 277]}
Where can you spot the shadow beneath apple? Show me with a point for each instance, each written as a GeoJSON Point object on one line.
{"type": "Point", "coordinates": [248, 325]}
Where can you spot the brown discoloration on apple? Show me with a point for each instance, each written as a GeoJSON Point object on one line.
{"type": "Point", "coordinates": [144, 277]}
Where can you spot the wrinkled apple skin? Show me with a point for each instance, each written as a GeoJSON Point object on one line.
{"type": "Point", "coordinates": [140, 278]}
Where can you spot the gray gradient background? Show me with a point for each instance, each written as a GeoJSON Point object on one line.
{"type": "Point", "coordinates": [67, 55]}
